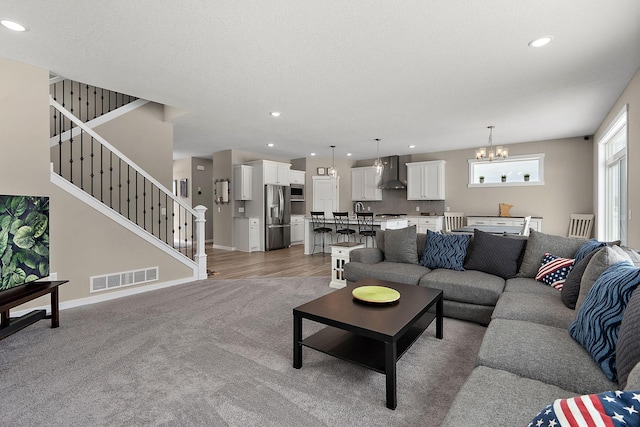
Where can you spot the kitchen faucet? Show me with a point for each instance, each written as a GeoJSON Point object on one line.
{"type": "Point", "coordinates": [358, 207]}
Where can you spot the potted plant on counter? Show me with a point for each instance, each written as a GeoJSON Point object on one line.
{"type": "Point", "coordinates": [481, 179]}
{"type": "Point", "coordinates": [503, 178]}
{"type": "Point", "coordinates": [526, 177]}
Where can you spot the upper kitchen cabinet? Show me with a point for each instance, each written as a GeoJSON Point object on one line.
{"type": "Point", "coordinates": [425, 180]}
{"type": "Point", "coordinates": [242, 176]}
{"type": "Point", "coordinates": [275, 172]}
{"type": "Point", "coordinates": [364, 184]}
{"type": "Point", "coordinates": [296, 177]}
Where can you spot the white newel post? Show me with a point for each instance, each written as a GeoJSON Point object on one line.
{"type": "Point", "coordinates": [201, 256]}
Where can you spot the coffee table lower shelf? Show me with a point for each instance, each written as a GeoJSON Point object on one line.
{"type": "Point", "coordinates": [361, 350]}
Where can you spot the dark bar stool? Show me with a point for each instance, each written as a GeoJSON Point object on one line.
{"type": "Point", "coordinates": [365, 227]}
{"type": "Point", "coordinates": [319, 228]}
{"type": "Point", "coordinates": [342, 225]}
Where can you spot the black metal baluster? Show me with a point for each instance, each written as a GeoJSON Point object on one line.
{"type": "Point", "coordinates": [128, 192]}
{"type": "Point", "coordinates": [144, 202]}
{"type": "Point", "coordinates": [119, 185]}
{"type": "Point", "coordinates": [159, 213]}
{"type": "Point", "coordinates": [110, 179]}
{"type": "Point", "coordinates": [71, 153]}
{"type": "Point", "coordinates": [173, 223]}
{"type": "Point", "coordinates": [55, 110]}
{"type": "Point", "coordinates": [82, 159]}
{"type": "Point", "coordinates": [87, 104]}
{"type": "Point", "coordinates": [166, 219]}
{"type": "Point", "coordinates": [101, 173]}
{"type": "Point", "coordinates": [80, 102]}
{"type": "Point", "coordinates": [92, 175]}
{"type": "Point", "coordinates": [137, 223]}
{"type": "Point", "coordinates": [151, 205]}
{"type": "Point", "coordinates": [101, 101]}
{"type": "Point", "coordinates": [179, 229]}
{"type": "Point", "coordinates": [95, 102]}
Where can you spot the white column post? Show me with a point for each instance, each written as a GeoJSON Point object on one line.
{"type": "Point", "coordinates": [201, 256]}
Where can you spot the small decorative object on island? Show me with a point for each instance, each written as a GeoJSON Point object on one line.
{"type": "Point", "coordinates": [481, 179]}
{"type": "Point", "coordinates": [504, 209]}
{"type": "Point", "coordinates": [503, 178]}
{"type": "Point", "coordinates": [526, 177]}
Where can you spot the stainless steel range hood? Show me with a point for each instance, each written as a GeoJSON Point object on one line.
{"type": "Point", "coordinates": [394, 175]}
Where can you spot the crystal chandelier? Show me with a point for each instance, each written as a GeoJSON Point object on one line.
{"type": "Point", "coordinates": [333, 172]}
{"type": "Point", "coordinates": [377, 164]}
{"type": "Point", "coordinates": [499, 153]}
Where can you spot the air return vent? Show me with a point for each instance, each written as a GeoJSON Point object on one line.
{"type": "Point", "coordinates": [126, 278]}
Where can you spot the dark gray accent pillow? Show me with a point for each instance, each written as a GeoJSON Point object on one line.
{"type": "Point", "coordinates": [400, 245]}
{"type": "Point", "coordinates": [493, 254]}
{"type": "Point", "coordinates": [628, 347]}
{"type": "Point", "coordinates": [571, 288]}
{"type": "Point", "coordinates": [539, 243]}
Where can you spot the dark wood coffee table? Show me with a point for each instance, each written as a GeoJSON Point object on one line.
{"type": "Point", "coordinates": [372, 336]}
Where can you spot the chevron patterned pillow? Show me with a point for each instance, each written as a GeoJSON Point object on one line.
{"type": "Point", "coordinates": [597, 323]}
{"type": "Point", "coordinates": [445, 251]}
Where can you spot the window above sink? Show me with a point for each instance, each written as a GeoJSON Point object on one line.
{"type": "Point", "coordinates": [521, 170]}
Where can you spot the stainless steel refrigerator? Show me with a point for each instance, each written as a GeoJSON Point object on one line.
{"type": "Point", "coordinates": [277, 221]}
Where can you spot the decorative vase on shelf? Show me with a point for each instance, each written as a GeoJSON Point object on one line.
{"type": "Point", "coordinates": [503, 178]}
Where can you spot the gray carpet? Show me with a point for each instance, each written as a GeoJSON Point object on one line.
{"type": "Point", "coordinates": [216, 353]}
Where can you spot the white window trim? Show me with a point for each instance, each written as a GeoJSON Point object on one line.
{"type": "Point", "coordinates": [539, 157]}
{"type": "Point", "coordinates": [613, 128]}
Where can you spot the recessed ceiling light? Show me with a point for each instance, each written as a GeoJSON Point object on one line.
{"type": "Point", "coordinates": [412, 146]}
{"type": "Point", "coordinates": [270, 144]}
{"type": "Point", "coordinates": [348, 154]}
{"type": "Point", "coordinates": [275, 113]}
{"type": "Point", "coordinates": [313, 154]}
{"type": "Point", "coordinates": [542, 41]}
{"type": "Point", "coordinates": [13, 25]}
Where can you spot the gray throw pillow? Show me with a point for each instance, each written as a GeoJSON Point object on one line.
{"type": "Point", "coordinates": [603, 259]}
{"type": "Point", "coordinates": [539, 243]}
{"type": "Point", "coordinates": [400, 245]}
{"type": "Point", "coordinates": [571, 288]}
{"type": "Point", "coordinates": [628, 347]}
{"type": "Point", "coordinates": [493, 254]}
{"type": "Point", "coordinates": [633, 255]}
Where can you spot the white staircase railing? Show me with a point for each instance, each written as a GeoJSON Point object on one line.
{"type": "Point", "coordinates": [103, 174]}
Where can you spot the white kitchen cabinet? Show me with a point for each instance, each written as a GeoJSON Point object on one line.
{"type": "Point", "coordinates": [247, 234]}
{"type": "Point", "coordinates": [297, 229]}
{"type": "Point", "coordinates": [296, 177]}
{"type": "Point", "coordinates": [242, 176]}
{"type": "Point", "coordinates": [276, 173]}
{"type": "Point", "coordinates": [424, 223]}
{"type": "Point", "coordinates": [515, 221]}
{"type": "Point", "coordinates": [425, 180]}
{"type": "Point", "coordinates": [364, 184]}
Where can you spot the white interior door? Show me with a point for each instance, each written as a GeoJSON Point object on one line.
{"type": "Point", "coordinates": [325, 195]}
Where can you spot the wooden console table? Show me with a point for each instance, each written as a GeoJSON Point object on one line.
{"type": "Point", "coordinates": [24, 293]}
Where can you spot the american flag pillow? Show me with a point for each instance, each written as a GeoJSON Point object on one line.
{"type": "Point", "coordinates": [554, 270]}
{"type": "Point", "coordinates": [611, 408]}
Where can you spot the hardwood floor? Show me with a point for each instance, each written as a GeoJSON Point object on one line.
{"type": "Point", "coordinates": [290, 262]}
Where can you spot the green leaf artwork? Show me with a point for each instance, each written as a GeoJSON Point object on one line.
{"type": "Point", "coordinates": [24, 239]}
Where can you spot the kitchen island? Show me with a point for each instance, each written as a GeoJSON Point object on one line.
{"type": "Point", "coordinates": [379, 223]}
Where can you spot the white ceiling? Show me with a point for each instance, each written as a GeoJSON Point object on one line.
{"type": "Point", "coordinates": [343, 72]}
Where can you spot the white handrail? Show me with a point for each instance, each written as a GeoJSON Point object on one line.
{"type": "Point", "coordinates": [117, 152]}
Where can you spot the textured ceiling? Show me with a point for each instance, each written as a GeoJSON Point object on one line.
{"type": "Point", "coordinates": [433, 74]}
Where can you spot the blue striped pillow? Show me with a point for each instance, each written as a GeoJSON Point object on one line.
{"type": "Point", "coordinates": [445, 251]}
{"type": "Point", "coordinates": [587, 247]}
{"type": "Point", "coordinates": [597, 323]}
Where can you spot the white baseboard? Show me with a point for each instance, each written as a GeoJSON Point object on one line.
{"type": "Point", "coordinates": [226, 248]}
{"type": "Point", "coordinates": [106, 296]}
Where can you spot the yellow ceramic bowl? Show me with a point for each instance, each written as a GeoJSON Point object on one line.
{"type": "Point", "coordinates": [380, 294]}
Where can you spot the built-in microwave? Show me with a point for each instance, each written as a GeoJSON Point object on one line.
{"type": "Point", "coordinates": [297, 192]}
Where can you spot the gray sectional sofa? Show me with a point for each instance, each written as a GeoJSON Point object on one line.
{"type": "Point", "coordinates": [528, 357]}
